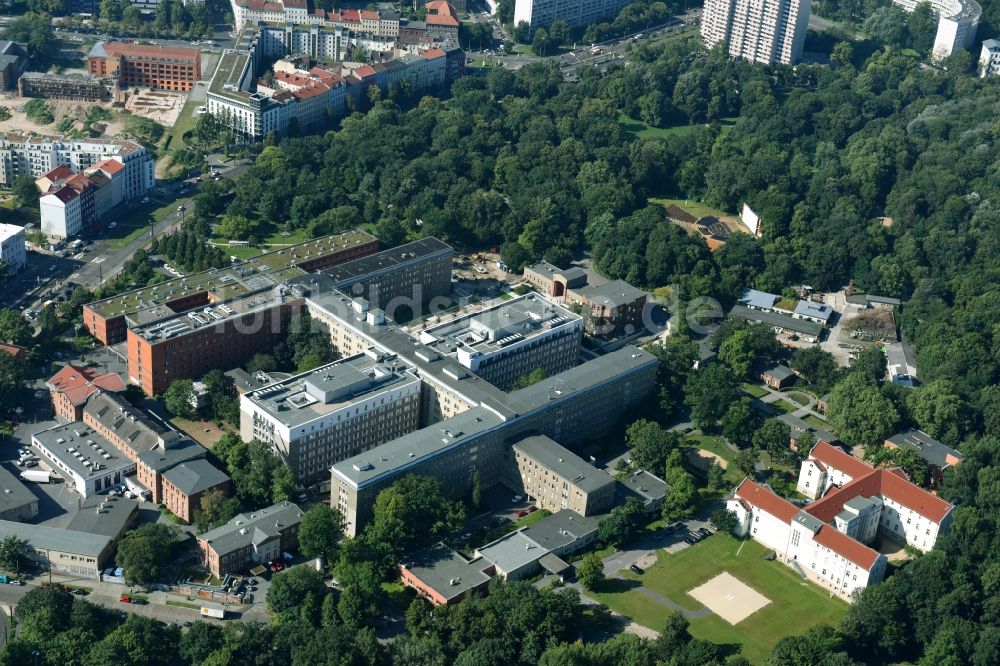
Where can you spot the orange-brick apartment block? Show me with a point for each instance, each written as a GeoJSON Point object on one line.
{"type": "Point", "coordinates": [145, 65]}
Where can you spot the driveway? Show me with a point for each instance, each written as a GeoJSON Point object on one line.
{"type": "Point", "coordinates": [645, 549]}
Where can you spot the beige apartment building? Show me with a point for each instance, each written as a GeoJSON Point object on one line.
{"type": "Point", "coordinates": [336, 411]}
{"type": "Point", "coordinates": [556, 478]}
{"type": "Point", "coordinates": [575, 406]}
{"type": "Point", "coordinates": [508, 341]}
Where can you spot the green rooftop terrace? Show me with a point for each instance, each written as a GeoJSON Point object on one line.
{"type": "Point", "coordinates": [230, 68]}
{"type": "Point", "coordinates": [277, 265]}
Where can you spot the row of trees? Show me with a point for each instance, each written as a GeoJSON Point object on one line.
{"type": "Point", "coordinates": [189, 251]}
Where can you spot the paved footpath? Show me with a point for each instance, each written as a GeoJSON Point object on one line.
{"type": "Point", "coordinates": [659, 598]}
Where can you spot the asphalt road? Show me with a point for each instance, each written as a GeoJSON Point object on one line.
{"type": "Point", "coordinates": [569, 61]}
{"type": "Point", "coordinates": [10, 595]}
{"type": "Point", "coordinates": [100, 260]}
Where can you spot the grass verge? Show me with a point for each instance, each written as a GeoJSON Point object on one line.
{"type": "Point", "coordinates": [795, 604]}
{"type": "Point", "coordinates": [183, 604]}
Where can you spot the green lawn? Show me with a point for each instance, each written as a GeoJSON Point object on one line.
{"type": "Point", "coordinates": [532, 518]}
{"type": "Point", "coordinates": [136, 222]}
{"type": "Point", "coordinates": [20, 216]}
{"type": "Point", "coordinates": [783, 405]}
{"type": "Point", "coordinates": [696, 208]}
{"type": "Point", "coordinates": [399, 595]}
{"type": "Point", "coordinates": [185, 122]}
{"type": "Point", "coordinates": [248, 252]}
{"type": "Point", "coordinates": [816, 422]}
{"type": "Point", "coordinates": [795, 604]}
{"type": "Point", "coordinates": [640, 130]}
{"type": "Point", "coordinates": [183, 604]}
{"type": "Point", "coordinates": [716, 445]}
{"type": "Point", "coordinates": [798, 399]}
{"type": "Point", "coordinates": [711, 443]}
{"type": "Point", "coordinates": [754, 390]}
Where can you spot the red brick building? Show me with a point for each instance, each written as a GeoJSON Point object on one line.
{"type": "Point", "coordinates": [73, 385]}
{"type": "Point", "coordinates": [184, 485]}
{"type": "Point", "coordinates": [261, 536]}
{"type": "Point", "coordinates": [146, 66]}
{"type": "Point", "coordinates": [156, 358]}
{"type": "Point", "coordinates": [442, 576]}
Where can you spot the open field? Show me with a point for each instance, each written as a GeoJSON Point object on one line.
{"type": "Point", "coordinates": [698, 209]}
{"type": "Point", "coordinates": [784, 405]}
{"type": "Point", "coordinates": [816, 422]}
{"type": "Point", "coordinates": [795, 604]}
{"type": "Point", "coordinates": [754, 390]}
{"type": "Point", "coordinates": [186, 121]}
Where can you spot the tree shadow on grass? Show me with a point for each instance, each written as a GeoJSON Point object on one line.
{"type": "Point", "coordinates": [616, 585]}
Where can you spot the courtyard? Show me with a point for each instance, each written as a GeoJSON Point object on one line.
{"type": "Point", "coordinates": [769, 600]}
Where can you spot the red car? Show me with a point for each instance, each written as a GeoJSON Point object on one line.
{"type": "Point", "coordinates": [277, 566]}
{"type": "Point", "coordinates": [522, 513]}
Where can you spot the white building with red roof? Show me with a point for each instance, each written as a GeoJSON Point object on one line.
{"type": "Point", "coordinates": [828, 540]}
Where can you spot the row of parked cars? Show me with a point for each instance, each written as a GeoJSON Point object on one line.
{"type": "Point", "coordinates": [697, 535]}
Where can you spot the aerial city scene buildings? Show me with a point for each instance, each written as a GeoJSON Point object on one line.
{"type": "Point", "coordinates": [534, 332]}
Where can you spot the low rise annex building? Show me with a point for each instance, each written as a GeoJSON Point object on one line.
{"type": "Point", "coordinates": [260, 536]}
{"type": "Point", "coordinates": [65, 551]}
{"type": "Point", "coordinates": [88, 461]}
{"type": "Point", "coordinates": [17, 502]}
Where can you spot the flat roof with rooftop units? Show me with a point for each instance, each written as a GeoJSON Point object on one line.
{"type": "Point", "coordinates": [499, 327]}
{"type": "Point", "coordinates": [371, 266]}
{"type": "Point", "coordinates": [229, 283]}
{"type": "Point", "coordinates": [416, 447]}
{"type": "Point", "coordinates": [332, 387]}
{"type": "Point", "coordinates": [86, 458]}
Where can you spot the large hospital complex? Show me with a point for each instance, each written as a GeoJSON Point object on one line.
{"type": "Point", "coordinates": [444, 396]}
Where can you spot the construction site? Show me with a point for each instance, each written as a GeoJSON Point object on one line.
{"type": "Point", "coordinates": [77, 87]}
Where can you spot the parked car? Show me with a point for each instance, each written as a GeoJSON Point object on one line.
{"type": "Point", "coordinates": [704, 532]}
{"type": "Point", "coordinates": [15, 582]}
{"type": "Point", "coordinates": [635, 568]}
{"type": "Point", "coordinates": [80, 592]}
{"type": "Point", "coordinates": [690, 540]}
{"type": "Point", "coordinates": [516, 498]}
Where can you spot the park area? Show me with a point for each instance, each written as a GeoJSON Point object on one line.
{"type": "Point", "coordinates": [768, 600]}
